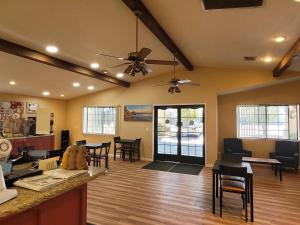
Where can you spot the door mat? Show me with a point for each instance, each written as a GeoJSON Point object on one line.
{"type": "Point", "coordinates": [191, 169]}
{"type": "Point", "coordinates": [162, 166]}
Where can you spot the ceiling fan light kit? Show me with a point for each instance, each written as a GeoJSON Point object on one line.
{"type": "Point", "coordinates": [136, 61]}
{"type": "Point", "coordinates": [174, 83]}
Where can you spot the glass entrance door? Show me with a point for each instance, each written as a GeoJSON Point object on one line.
{"type": "Point", "coordinates": [179, 133]}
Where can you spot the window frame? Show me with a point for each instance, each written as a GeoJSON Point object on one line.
{"type": "Point", "coordinates": [103, 133]}
{"type": "Point", "coordinates": [266, 121]}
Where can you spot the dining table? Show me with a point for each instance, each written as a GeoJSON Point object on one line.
{"type": "Point", "coordinates": [94, 147]}
{"type": "Point", "coordinates": [215, 182]}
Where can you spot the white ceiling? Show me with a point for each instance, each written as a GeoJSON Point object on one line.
{"type": "Point", "coordinates": [80, 29]}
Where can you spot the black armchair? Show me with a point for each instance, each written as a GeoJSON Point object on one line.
{"type": "Point", "coordinates": [287, 152]}
{"type": "Point", "coordinates": [234, 146]}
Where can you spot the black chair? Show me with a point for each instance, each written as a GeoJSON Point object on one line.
{"type": "Point", "coordinates": [103, 154]}
{"type": "Point", "coordinates": [287, 152]}
{"type": "Point", "coordinates": [137, 148]}
{"type": "Point", "coordinates": [234, 146]}
{"type": "Point", "coordinates": [228, 157]}
{"type": "Point", "coordinates": [117, 147]}
{"type": "Point", "coordinates": [81, 142]}
{"type": "Point", "coordinates": [132, 149]}
{"type": "Point", "coordinates": [234, 186]}
{"type": "Point", "coordinates": [232, 159]}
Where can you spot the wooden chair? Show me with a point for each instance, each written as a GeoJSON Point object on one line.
{"type": "Point", "coordinates": [132, 149]}
{"type": "Point", "coordinates": [232, 159]}
{"type": "Point", "coordinates": [117, 147]}
{"type": "Point", "coordinates": [83, 142]}
{"type": "Point", "coordinates": [103, 154]}
{"type": "Point", "coordinates": [234, 186]}
{"type": "Point", "coordinates": [137, 148]}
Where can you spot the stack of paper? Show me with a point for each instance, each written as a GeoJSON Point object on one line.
{"type": "Point", "coordinates": [7, 194]}
{"type": "Point", "coordinates": [63, 173]}
{"type": "Point", "coordinates": [48, 179]}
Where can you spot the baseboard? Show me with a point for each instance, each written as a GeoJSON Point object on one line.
{"type": "Point", "coordinates": [209, 165]}
{"type": "Point", "coordinates": [147, 159]}
{"type": "Point", "coordinates": [142, 158]}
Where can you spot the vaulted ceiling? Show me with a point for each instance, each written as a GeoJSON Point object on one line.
{"type": "Point", "coordinates": [80, 29]}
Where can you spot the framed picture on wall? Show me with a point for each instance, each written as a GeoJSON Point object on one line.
{"type": "Point", "coordinates": [138, 112]}
{"type": "Point", "coordinates": [31, 107]}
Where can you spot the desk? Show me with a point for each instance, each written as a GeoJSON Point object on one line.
{"type": "Point", "coordinates": [94, 147]}
{"type": "Point", "coordinates": [273, 162]}
{"type": "Point", "coordinates": [215, 186]}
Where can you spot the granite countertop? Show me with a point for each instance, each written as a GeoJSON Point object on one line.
{"type": "Point", "coordinates": [27, 199]}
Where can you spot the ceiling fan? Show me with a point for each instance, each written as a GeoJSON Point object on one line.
{"type": "Point", "coordinates": [175, 83]}
{"type": "Point", "coordinates": [137, 61]}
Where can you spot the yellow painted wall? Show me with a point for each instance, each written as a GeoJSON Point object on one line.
{"type": "Point", "coordinates": [213, 82]}
{"type": "Point", "coordinates": [58, 107]}
{"type": "Point", "coordinates": [286, 93]}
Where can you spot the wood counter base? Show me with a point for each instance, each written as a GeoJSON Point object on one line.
{"type": "Point", "coordinates": [66, 209]}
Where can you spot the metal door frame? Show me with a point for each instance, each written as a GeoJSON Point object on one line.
{"type": "Point", "coordinates": [178, 157]}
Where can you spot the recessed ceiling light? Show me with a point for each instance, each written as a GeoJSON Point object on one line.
{"type": "Point", "coordinates": [280, 39]}
{"type": "Point", "coordinates": [76, 84]}
{"type": "Point", "coordinates": [12, 82]}
{"type": "Point", "coordinates": [62, 95]}
{"type": "Point", "coordinates": [105, 71]}
{"type": "Point", "coordinates": [267, 59]}
{"type": "Point", "coordinates": [91, 87]}
{"type": "Point", "coordinates": [121, 58]}
{"type": "Point", "coordinates": [46, 93]}
{"type": "Point", "coordinates": [94, 65]}
{"type": "Point", "coordinates": [120, 75]}
{"type": "Point", "coordinates": [52, 49]}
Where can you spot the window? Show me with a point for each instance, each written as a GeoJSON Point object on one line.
{"type": "Point", "coordinates": [100, 120]}
{"type": "Point", "coordinates": [268, 121]}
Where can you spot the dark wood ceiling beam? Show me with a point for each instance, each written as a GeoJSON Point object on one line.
{"type": "Point", "coordinates": [19, 50]}
{"type": "Point", "coordinates": [150, 22]}
{"type": "Point", "coordinates": [288, 59]}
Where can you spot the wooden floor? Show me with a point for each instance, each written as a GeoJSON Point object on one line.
{"type": "Point", "coordinates": [129, 194]}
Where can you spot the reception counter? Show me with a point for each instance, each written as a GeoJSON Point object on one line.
{"type": "Point", "coordinates": [64, 204]}
{"type": "Point", "coordinates": [40, 142]}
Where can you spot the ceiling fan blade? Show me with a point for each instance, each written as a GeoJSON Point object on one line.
{"type": "Point", "coordinates": [147, 68]}
{"type": "Point", "coordinates": [111, 56]}
{"type": "Point", "coordinates": [188, 82]}
{"type": "Point", "coordinates": [161, 62]}
{"type": "Point", "coordinates": [120, 65]}
{"type": "Point", "coordinates": [184, 81]}
{"type": "Point", "coordinates": [143, 53]}
{"type": "Point", "coordinates": [191, 84]}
